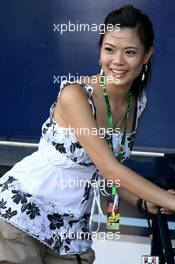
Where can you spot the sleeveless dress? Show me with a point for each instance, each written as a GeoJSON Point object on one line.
{"type": "Point", "coordinates": [50, 194]}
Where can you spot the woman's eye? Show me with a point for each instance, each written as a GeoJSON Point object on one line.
{"type": "Point", "coordinates": [130, 52]}
{"type": "Point", "coordinates": [109, 50]}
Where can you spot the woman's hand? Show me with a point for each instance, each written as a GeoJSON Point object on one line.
{"type": "Point", "coordinates": [165, 210]}
{"type": "Point", "coordinates": [153, 208]}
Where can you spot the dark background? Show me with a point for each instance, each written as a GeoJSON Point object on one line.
{"type": "Point", "coordinates": [32, 53]}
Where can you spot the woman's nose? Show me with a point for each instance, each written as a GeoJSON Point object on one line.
{"type": "Point", "coordinates": [118, 59]}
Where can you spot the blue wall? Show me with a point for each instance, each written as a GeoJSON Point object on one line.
{"type": "Point", "coordinates": [32, 53]}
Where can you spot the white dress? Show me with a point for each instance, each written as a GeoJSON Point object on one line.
{"type": "Point", "coordinates": [49, 194]}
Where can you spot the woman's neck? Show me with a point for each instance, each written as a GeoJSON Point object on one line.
{"type": "Point", "coordinates": [118, 94]}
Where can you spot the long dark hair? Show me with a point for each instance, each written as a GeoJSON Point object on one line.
{"type": "Point", "coordinates": [129, 16]}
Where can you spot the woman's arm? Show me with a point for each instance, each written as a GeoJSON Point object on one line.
{"type": "Point", "coordinates": [133, 200]}
{"type": "Point", "coordinates": [128, 196]}
{"type": "Point", "coordinates": [77, 113]}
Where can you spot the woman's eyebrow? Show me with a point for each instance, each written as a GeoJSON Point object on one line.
{"type": "Point", "coordinates": [129, 47]}
{"type": "Point", "coordinates": [106, 43]}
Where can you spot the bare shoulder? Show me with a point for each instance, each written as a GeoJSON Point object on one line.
{"type": "Point", "coordinates": [93, 81]}
{"type": "Point", "coordinates": [74, 92]}
{"type": "Point", "coordinates": [71, 91]}
{"type": "Point", "coordinates": [74, 99]}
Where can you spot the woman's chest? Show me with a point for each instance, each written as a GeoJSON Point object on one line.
{"type": "Point", "coordinates": [119, 120]}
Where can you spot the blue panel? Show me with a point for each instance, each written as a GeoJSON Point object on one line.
{"type": "Point", "coordinates": [32, 53]}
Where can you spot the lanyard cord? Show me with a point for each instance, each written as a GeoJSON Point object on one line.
{"type": "Point", "coordinates": [109, 114]}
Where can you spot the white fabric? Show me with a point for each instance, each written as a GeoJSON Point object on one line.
{"type": "Point", "coordinates": [58, 172]}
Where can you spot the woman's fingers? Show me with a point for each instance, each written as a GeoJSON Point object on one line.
{"type": "Point", "coordinates": [152, 208]}
{"type": "Point", "coordinates": [171, 191]}
{"type": "Point", "coordinates": [165, 210]}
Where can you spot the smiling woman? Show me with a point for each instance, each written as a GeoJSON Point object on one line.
{"type": "Point", "coordinates": [123, 56]}
{"type": "Point", "coordinates": [37, 211]}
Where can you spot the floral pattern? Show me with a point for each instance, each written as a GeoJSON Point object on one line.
{"type": "Point", "coordinates": [56, 221]}
{"type": "Point", "coordinates": [2, 204]}
{"type": "Point", "coordinates": [9, 213]}
{"type": "Point", "coordinates": [20, 196]}
{"type": "Point", "coordinates": [31, 209]}
{"type": "Point", "coordinates": [88, 186]}
{"type": "Point", "coordinates": [7, 183]}
{"type": "Point", "coordinates": [42, 218]}
{"type": "Point", "coordinates": [64, 140]}
{"type": "Point", "coordinates": [130, 140]}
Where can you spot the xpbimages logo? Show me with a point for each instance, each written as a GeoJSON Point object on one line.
{"type": "Point", "coordinates": [100, 236]}
{"type": "Point", "coordinates": [102, 184]}
{"type": "Point", "coordinates": [84, 27]}
{"type": "Point", "coordinates": [57, 79]}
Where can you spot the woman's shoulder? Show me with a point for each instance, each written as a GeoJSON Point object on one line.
{"type": "Point", "coordinates": [83, 83]}
{"type": "Point", "coordinates": [73, 92]}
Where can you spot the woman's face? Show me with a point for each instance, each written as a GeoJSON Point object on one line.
{"type": "Point", "coordinates": [122, 56]}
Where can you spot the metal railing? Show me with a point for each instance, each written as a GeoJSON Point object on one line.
{"type": "Point", "coordinates": [35, 145]}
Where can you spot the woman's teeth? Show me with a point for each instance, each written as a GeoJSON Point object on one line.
{"type": "Point", "coordinates": [119, 72]}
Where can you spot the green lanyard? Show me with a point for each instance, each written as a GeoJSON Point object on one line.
{"type": "Point", "coordinates": [109, 114]}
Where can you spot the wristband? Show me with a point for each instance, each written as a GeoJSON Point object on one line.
{"type": "Point", "coordinates": [140, 207]}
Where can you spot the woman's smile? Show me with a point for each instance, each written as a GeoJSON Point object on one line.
{"type": "Point", "coordinates": [119, 73]}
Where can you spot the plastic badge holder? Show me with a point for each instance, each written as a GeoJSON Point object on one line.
{"type": "Point", "coordinates": [113, 215]}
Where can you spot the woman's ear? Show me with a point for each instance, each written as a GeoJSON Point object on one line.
{"type": "Point", "coordinates": [148, 55]}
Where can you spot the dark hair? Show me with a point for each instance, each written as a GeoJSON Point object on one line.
{"type": "Point", "coordinates": [128, 16]}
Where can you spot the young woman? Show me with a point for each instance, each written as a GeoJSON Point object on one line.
{"type": "Point", "coordinates": [47, 199]}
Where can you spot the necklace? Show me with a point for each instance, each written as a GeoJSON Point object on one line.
{"type": "Point", "coordinates": [118, 121]}
{"type": "Point", "coordinates": [109, 114]}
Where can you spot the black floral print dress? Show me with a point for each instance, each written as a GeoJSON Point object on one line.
{"type": "Point", "coordinates": [49, 194]}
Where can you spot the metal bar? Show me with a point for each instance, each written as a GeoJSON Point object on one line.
{"type": "Point", "coordinates": [147, 154]}
{"type": "Point", "coordinates": [31, 145]}
{"type": "Point", "coordinates": [18, 144]}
